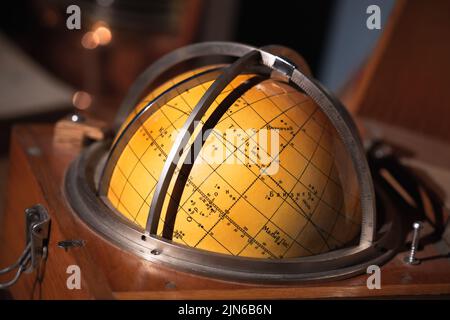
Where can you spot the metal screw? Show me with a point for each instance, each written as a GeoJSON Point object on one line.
{"type": "Point", "coordinates": [155, 252]}
{"type": "Point", "coordinates": [411, 258]}
{"type": "Point", "coordinates": [76, 118]}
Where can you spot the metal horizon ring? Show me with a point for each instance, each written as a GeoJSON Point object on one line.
{"type": "Point", "coordinates": [338, 264]}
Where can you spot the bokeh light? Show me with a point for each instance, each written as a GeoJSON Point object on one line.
{"type": "Point", "coordinates": [90, 40]}
{"type": "Point", "coordinates": [103, 34]}
{"type": "Point", "coordinates": [81, 100]}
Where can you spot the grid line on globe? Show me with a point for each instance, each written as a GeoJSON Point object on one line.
{"type": "Point", "coordinates": [232, 208]}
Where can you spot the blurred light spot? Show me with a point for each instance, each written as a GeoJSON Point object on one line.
{"type": "Point", "coordinates": [50, 17]}
{"type": "Point", "coordinates": [81, 100]}
{"type": "Point", "coordinates": [76, 118]}
{"type": "Point", "coordinates": [103, 34]}
{"type": "Point", "coordinates": [90, 40]}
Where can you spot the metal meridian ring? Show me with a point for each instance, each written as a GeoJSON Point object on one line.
{"type": "Point", "coordinates": [336, 113]}
{"type": "Point", "coordinates": [123, 138]}
{"type": "Point", "coordinates": [188, 128]}
{"type": "Point", "coordinates": [184, 171]}
{"type": "Point", "coordinates": [197, 50]}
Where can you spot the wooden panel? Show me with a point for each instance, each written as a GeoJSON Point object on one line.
{"type": "Point", "coordinates": [306, 292]}
{"type": "Point", "coordinates": [24, 191]}
{"type": "Point", "coordinates": [405, 82]}
{"type": "Point", "coordinates": [104, 267]}
{"type": "Point", "coordinates": [109, 272]}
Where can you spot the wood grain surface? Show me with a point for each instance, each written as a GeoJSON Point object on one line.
{"type": "Point", "coordinates": [111, 273]}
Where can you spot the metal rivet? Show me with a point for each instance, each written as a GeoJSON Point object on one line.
{"type": "Point", "coordinates": [411, 258]}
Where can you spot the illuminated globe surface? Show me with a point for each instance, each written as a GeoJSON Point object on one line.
{"type": "Point", "coordinates": [244, 196]}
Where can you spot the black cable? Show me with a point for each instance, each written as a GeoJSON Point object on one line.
{"type": "Point", "coordinates": [21, 264]}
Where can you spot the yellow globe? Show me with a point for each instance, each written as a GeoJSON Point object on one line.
{"type": "Point", "coordinates": [231, 203]}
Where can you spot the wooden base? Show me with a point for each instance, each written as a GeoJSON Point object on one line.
{"type": "Point", "coordinates": [37, 168]}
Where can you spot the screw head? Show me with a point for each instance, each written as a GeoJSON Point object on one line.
{"type": "Point", "coordinates": [414, 261]}
{"type": "Point", "coordinates": [76, 118]}
{"type": "Point", "coordinates": [155, 252]}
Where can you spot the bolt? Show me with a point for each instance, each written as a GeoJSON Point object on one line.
{"type": "Point", "coordinates": [411, 258]}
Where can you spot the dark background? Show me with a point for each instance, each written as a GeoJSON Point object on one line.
{"type": "Point", "coordinates": [331, 35]}
{"type": "Point", "coordinates": [142, 32]}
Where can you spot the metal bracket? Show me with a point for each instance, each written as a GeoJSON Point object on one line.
{"type": "Point", "coordinates": [37, 232]}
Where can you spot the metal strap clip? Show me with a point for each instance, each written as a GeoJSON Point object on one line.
{"type": "Point", "coordinates": [37, 224]}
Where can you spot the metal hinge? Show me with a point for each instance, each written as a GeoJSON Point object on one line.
{"type": "Point", "coordinates": [37, 231]}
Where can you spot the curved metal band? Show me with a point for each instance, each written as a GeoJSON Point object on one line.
{"type": "Point", "coordinates": [184, 171]}
{"type": "Point", "coordinates": [126, 133]}
{"type": "Point", "coordinates": [330, 265]}
{"type": "Point", "coordinates": [155, 70]}
{"type": "Point", "coordinates": [188, 128]}
{"type": "Point", "coordinates": [336, 113]}
{"type": "Point", "coordinates": [342, 121]}
{"type": "Point", "coordinates": [290, 55]}
{"type": "Point", "coordinates": [170, 60]}
{"type": "Point", "coordinates": [186, 167]}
